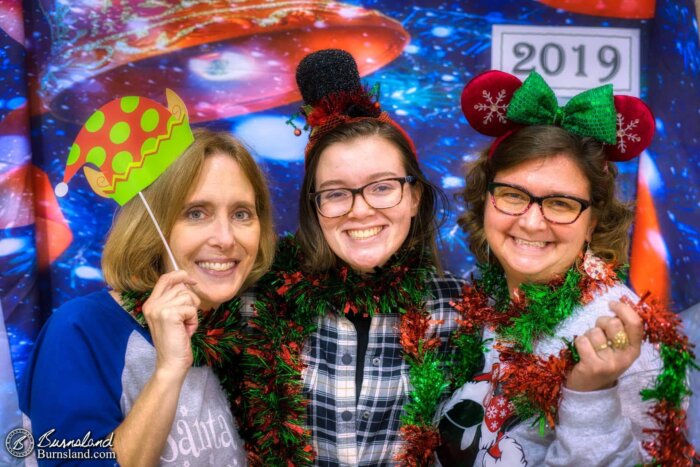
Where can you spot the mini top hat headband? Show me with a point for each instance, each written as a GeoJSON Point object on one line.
{"type": "Point", "coordinates": [497, 103]}
{"type": "Point", "coordinates": [329, 83]}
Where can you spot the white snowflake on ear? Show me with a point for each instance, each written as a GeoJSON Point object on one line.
{"type": "Point", "coordinates": [624, 132]}
{"type": "Point", "coordinates": [493, 106]}
{"type": "Point", "coordinates": [491, 412]}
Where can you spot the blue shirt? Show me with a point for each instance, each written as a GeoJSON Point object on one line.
{"type": "Point", "coordinates": [91, 362]}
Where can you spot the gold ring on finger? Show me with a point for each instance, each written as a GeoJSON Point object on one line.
{"type": "Point", "coordinates": [602, 346]}
{"type": "Point", "coordinates": [620, 341]}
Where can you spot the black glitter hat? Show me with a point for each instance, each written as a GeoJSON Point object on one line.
{"type": "Point", "coordinates": [329, 82]}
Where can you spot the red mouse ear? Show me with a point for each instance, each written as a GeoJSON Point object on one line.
{"type": "Point", "coordinates": [635, 129]}
{"type": "Point", "coordinates": [485, 101]}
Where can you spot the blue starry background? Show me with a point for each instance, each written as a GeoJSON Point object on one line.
{"type": "Point", "coordinates": [450, 43]}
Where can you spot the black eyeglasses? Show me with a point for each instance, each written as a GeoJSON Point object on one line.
{"type": "Point", "coordinates": [557, 209]}
{"type": "Point", "coordinates": [382, 194]}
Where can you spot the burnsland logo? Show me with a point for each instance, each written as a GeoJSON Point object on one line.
{"type": "Point", "coordinates": [19, 443]}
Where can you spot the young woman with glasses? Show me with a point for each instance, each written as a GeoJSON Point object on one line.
{"type": "Point", "coordinates": [350, 355]}
{"type": "Point", "coordinates": [569, 347]}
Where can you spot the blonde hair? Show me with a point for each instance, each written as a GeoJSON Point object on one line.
{"type": "Point", "coordinates": [134, 257]}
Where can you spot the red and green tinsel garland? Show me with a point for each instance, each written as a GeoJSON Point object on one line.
{"type": "Point", "coordinates": [669, 445]}
{"type": "Point", "coordinates": [217, 342]}
{"type": "Point", "coordinates": [289, 303]}
{"type": "Point", "coordinates": [534, 383]}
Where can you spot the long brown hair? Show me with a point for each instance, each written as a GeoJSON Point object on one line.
{"type": "Point", "coordinates": [610, 239]}
{"type": "Point", "coordinates": [133, 256]}
{"type": "Point", "coordinates": [317, 253]}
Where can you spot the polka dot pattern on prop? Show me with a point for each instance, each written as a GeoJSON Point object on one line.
{"type": "Point", "coordinates": [130, 141]}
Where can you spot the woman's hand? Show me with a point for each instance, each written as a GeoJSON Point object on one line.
{"type": "Point", "coordinates": [171, 314]}
{"type": "Point", "coordinates": [607, 350]}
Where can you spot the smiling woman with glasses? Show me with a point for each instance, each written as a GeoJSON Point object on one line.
{"type": "Point", "coordinates": [357, 305]}
{"type": "Point", "coordinates": [573, 359]}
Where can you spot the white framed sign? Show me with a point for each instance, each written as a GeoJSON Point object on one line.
{"type": "Point", "coordinates": [570, 59]}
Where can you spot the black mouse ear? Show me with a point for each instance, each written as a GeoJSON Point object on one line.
{"type": "Point", "coordinates": [327, 72]}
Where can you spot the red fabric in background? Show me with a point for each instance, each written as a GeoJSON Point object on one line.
{"type": "Point", "coordinates": [632, 9]}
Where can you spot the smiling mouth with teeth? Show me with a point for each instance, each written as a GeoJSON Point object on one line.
{"type": "Point", "coordinates": [360, 234]}
{"type": "Point", "coordinates": [520, 241]}
{"type": "Point", "coordinates": [216, 266]}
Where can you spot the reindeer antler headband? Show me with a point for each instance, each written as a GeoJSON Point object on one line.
{"type": "Point", "coordinates": [497, 103]}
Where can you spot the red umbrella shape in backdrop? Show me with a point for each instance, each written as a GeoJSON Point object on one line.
{"type": "Point", "coordinates": [223, 57]}
{"type": "Point", "coordinates": [11, 19]}
{"type": "Point", "coordinates": [632, 9]}
{"type": "Point", "coordinates": [27, 197]}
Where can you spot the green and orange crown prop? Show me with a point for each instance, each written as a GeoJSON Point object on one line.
{"type": "Point", "coordinates": [130, 141]}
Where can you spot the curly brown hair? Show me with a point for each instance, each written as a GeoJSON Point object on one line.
{"type": "Point", "coordinates": [610, 239]}
{"type": "Point", "coordinates": [317, 253]}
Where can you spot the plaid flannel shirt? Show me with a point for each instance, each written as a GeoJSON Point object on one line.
{"type": "Point", "coordinates": [346, 433]}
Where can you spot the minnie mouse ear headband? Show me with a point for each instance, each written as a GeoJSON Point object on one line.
{"type": "Point", "coordinates": [497, 104]}
{"type": "Point", "coordinates": [329, 83]}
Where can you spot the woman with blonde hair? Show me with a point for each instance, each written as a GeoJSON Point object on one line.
{"type": "Point", "coordinates": [149, 365]}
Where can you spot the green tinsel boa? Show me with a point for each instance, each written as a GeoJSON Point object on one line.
{"type": "Point", "coordinates": [535, 312]}
{"type": "Point", "coordinates": [286, 314]}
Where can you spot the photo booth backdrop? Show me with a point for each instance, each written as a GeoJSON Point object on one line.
{"type": "Point", "coordinates": [233, 62]}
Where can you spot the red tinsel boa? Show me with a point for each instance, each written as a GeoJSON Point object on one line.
{"type": "Point", "coordinates": [539, 380]}
{"type": "Point", "coordinates": [536, 378]}
{"type": "Point", "coordinates": [419, 445]}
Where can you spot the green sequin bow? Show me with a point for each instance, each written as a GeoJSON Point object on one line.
{"type": "Point", "coordinates": [591, 113]}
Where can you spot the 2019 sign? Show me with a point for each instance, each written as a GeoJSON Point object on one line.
{"type": "Point", "coordinates": [571, 59]}
{"type": "Point", "coordinates": [553, 64]}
